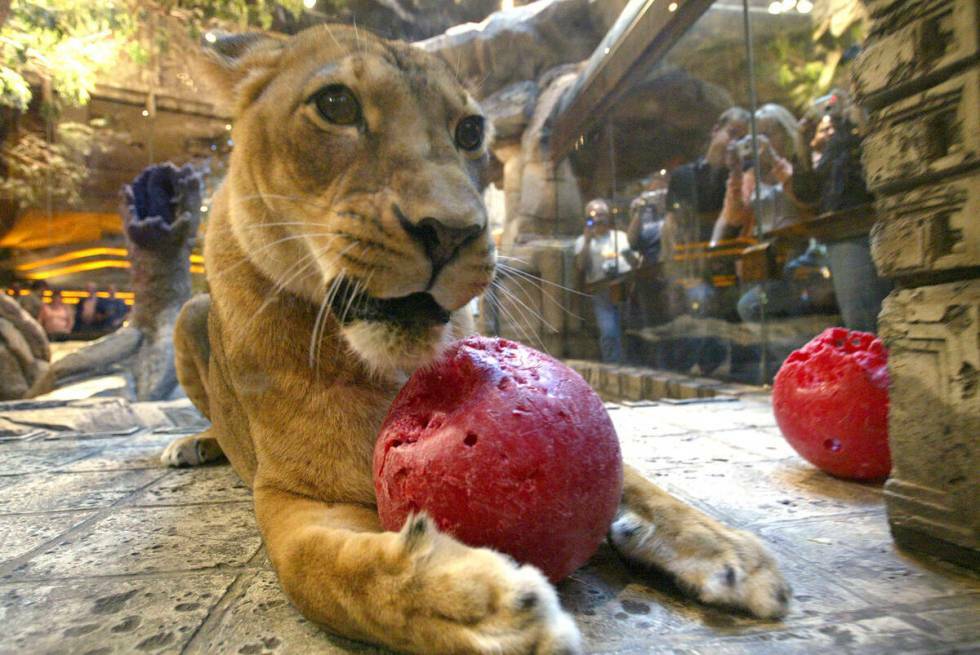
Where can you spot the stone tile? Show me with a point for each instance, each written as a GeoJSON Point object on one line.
{"type": "Point", "coordinates": [672, 451]}
{"type": "Point", "coordinates": [158, 561]}
{"type": "Point", "coordinates": [858, 552]}
{"type": "Point", "coordinates": [881, 634]}
{"type": "Point", "coordinates": [46, 492]}
{"type": "Point", "coordinates": [160, 438]}
{"type": "Point", "coordinates": [124, 457]}
{"type": "Point", "coordinates": [956, 624]}
{"type": "Point", "coordinates": [20, 534]}
{"type": "Point", "coordinates": [152, 539]}
{"type": "Point", "coordinates": [209, 484]}
{"type": "Point", "coordinates": [32, 457]}
{"type": "Point", "coordinates": [153, 615]}
{"type": "Point", "coordinates": [642, 422]}
{"type": "Point", "coordinates": [745, 493]}
{"type": "Point", "coordinates": [763, 443]}
{"type": "Point", "coordinates": [260, 619]}
{"type": "Point", "coordinates": [90, 415]}
{"type": "Point", "coordinates": [667, 419]}
{"type": "Point", "coordinates": [613, 603]}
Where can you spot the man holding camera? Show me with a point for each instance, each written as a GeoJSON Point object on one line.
{"type": "Point", "coordinates": [603, 257]}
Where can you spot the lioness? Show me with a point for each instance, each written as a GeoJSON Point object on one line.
{"type": "Point", "coordinates": [342, 247]}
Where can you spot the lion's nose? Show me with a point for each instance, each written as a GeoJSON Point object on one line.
{"type": "Point", "coordinates": [440, 241]}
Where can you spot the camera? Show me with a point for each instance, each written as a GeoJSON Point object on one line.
{"type": "Point", "coordinates": [744, 147]}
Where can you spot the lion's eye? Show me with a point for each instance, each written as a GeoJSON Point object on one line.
{"type": "Point", "coordinates": [337, 104]}
{"type": "Point", "coordinates": [469, 133]}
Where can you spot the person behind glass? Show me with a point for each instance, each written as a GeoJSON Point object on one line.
{"type": "Point", "coordinates": [857, 286]}
{"type": "Point", "coordinates": [116, 309]}
{"type": "Point", "coordinates": [697, 190]}
{"type": "Point", "coordinates": [91, 313]}
{"type": "Point", "coordinates": [602, 256]}
{"type": "Point", "coordinates": [694, 199]}
{"type": "Point", "coordinates": [778, 141]}
{"type": "Point", "coordinates": [57, 318]}
{"type": "Point", "coordinates": [32, 301]}
{"type": "Point", "coordinates": [644, 231]}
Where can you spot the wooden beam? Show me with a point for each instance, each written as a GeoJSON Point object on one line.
{"type": "Point", "coordinates": [643, 35]}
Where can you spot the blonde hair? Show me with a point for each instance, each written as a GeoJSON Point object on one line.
{"type": "Point", "coordinates": [773, 119]}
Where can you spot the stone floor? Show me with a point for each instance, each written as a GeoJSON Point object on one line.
{"type": "Point", "coordinates": [103, 551]}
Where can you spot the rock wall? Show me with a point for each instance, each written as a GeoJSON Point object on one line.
{"type": "Point", "coordinates": [24, 353]}
{"type": "Point", "coordinates": [920, 77]}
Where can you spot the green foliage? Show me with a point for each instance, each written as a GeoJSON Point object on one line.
{"type": "Point", "coordinates": [808, 69]}
{"type": "Point", "coordinates": [68, 43]}
{"type": "Point", "coordinates": [62, 47]}
{"type": "Point", "coordinates": [61, 43]}
{"type": "Point", "coordinates": [241, 14]}
{"type": "Point", "coordinates": [14, 90]}
{"type": "Point", "coordinates": [40, 170]}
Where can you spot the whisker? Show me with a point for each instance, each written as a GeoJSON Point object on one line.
{"type": "Point", "coordinates": [512, 274]}
{"type": "Point", "coordinates": [537, 278]}
{"type": "Point", "coordinates": [526, 309]}
{"type": "Point", "coordinates": [526, 333]}
{"type": "Point", "coordinates": [284, 282]}
{"type": "Point", "coordinates": [314, 363]}
{"type": "Point", "coordinates": [334, 37]}
{"type": "Point", "coordinates": [279, 196]}
{"type": "Point", "coordinates": [248, 257]}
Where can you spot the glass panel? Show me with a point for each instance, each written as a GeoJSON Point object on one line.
{"type": "Point", "coordinates": [660, 159]}
{"type": "Point", "coordinates": [740, 198]}
{"type": "Point", "coordinates": [811, 209]}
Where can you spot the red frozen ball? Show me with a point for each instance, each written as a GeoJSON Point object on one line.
{"type": "Point", "coordinates": [504, 447]}
{"type": "Point", "coordinates": [831, 403]}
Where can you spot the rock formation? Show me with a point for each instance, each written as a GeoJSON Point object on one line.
{"type": "Point", "coordinates": [24, 353]}
{"type": "Point", "coordinates": [161, 218]}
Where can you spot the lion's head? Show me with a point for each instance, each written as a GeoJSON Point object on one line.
{"type": "Point", "coordinates": [354, 183]}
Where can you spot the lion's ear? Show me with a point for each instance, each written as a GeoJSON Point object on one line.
{"type": "Point", "coordinates": [238, 66]}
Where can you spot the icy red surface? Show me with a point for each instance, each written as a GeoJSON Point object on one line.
{"type": "Point", "coordinates": [831, 403]}
{"type": "Point", "coordinates": [504, 447]}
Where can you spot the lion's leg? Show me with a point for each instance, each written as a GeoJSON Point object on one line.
{"type": "Point", "coordinates": [192, 353]}
{"type": "Point", "coordinates": [192, 450]}
{"type": "Point", "coordinates": [192, 350]}
{"type": "Point", "coordinates": [416, 591]}
{"type": "Point", "coordinates": [714, 563]}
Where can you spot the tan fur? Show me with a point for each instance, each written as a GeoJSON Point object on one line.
{"type": "Point", "coordinates": [296, 397]}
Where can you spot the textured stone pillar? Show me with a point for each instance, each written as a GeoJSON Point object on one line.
{"type": "Point", "coordinates": [920, 78]}
{"type": "Point", "coordinates": [934, 417]}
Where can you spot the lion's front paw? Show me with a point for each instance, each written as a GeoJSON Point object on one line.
{"type": "Point", "coordinates": [474, 600]}
{"type": "Point", "coordinates": [193, 450]}
{"type": "Point", "coordinates": [718, 565]}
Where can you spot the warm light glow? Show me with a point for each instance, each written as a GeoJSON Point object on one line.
{"type": "Point", "coordinates": [210, 37]}
{"type": "Point", "coordinates": [506, 4]}
{"type": "Point", "coordinates": [69, 256]}
{"type": "Point", "coordinates": [776, 7]}
{"type": "Point", "coordinates": [804, 6]}
{"type": "Point", "coordinates": [196, 267]}
{"type": "Point", "coordinates": [228, 126]}
{"type": "Point", "coordinates": [309, 4]}
{"type": "Point", "coordinates": [788, 5]}
{"type": "Point", "coordinates": [204, 208]}
{"type": "Point", "coordinates": [145, 112]}
{"type": "Point", "coordinates": [672, 6]}
{"type": "Point", "coordinates": [78, 268]}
